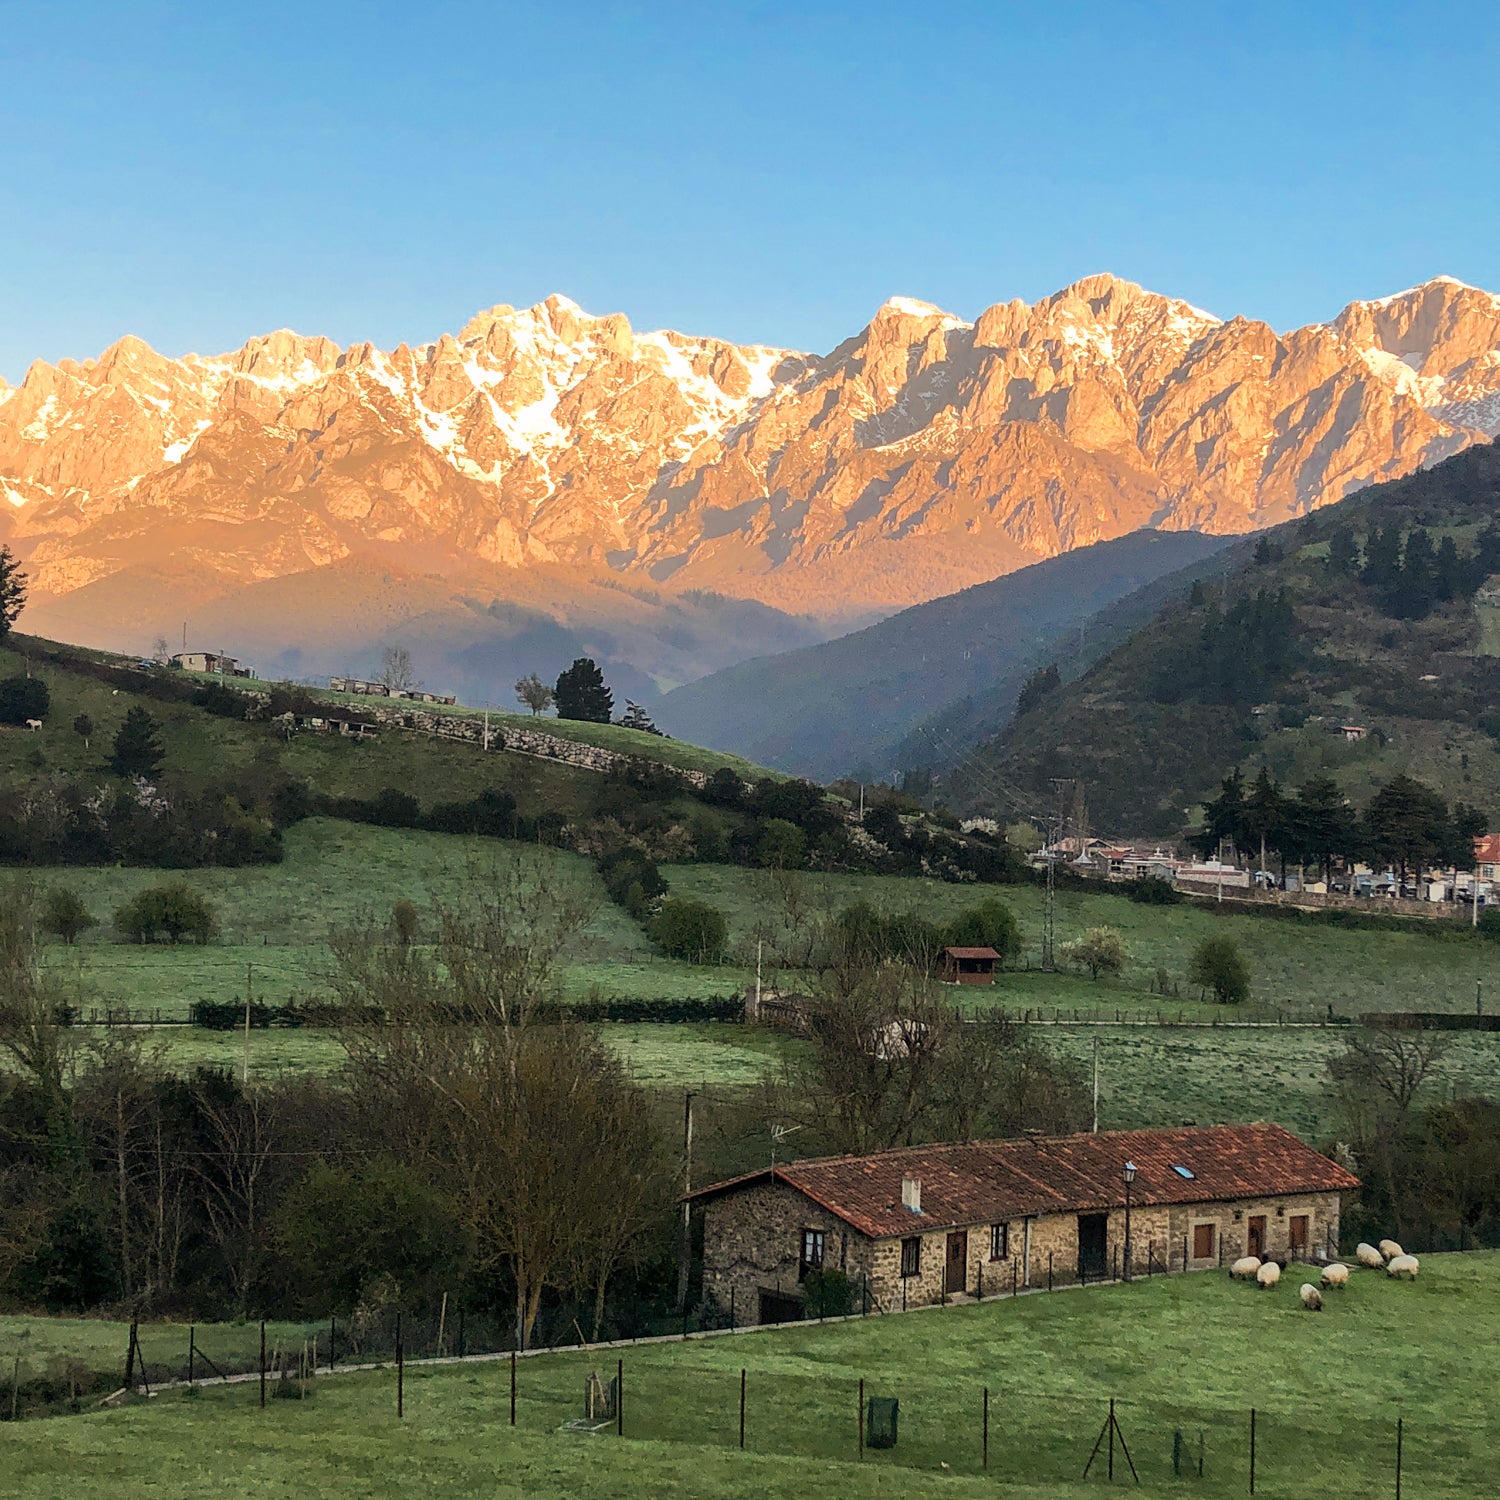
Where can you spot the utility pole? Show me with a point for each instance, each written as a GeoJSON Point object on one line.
{"type": "Point", "coordinates": [245, 1071]}
{"type": "Point", "coordinates": [1474, 917]}
{"type": "Point", "coordinates": [1049, 961]}
{"type": "Point", "coordinates": [759, 944]}
{"type": "Point", "coordinates": [685, 1249]}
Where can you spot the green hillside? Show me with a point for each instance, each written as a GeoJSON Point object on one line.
{"type": "Point", "coordinates": [1322, 624]}
{"type": "Point", "coordinates": [851, 705]}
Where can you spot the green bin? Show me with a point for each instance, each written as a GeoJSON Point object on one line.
{"type": "Point", "coordinates": [880, 1421]}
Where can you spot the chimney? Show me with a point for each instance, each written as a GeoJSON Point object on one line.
{"type": "Point", "coordinates": [911, 1193]}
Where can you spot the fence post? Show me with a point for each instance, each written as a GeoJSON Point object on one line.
{"type": "Point", "coordinates": [1049, 1270]}
{"type": "Point", "coordinates": [333, 1333]}
{"type": "Point", "coordinates": [620, 1398]}
{"type": "Point", "coordinates": [1111, 1439]}
{"type": "Point", "coordinates": [1115, 1265]}
{"type": "Point", "coordinates": [861, 1416]}
{"type": "Point", "coordinates": [732, 1321]}
{"type": "Point", "coordinates": [1252, 1450]}
{"type": "Point", "coordinates": [1013, 1272]}
{"type": "Point", "coordinates": [400, 1372]}
{"type": "Point", "coordinates": [986, 1428]}
{"type": "Point", "coordinates": [742, 1408]}
{"type": "Point", "coordinates": [512, 1387]}
{"type": "Point", "coordinates": [262, 1364]}
{"type": "Point", "coordinates": [1184, 1253]}
{"type": "Point", "coordinates": [1400, 1424]}
{"type": "Point", "coordinates": [462, 1344]}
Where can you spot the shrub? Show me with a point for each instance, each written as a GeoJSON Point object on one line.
{"type": "Point", "coordinates": [23, 698]}
{"type": "Point", "coordinates": [781, 845]}
{"type": "Point", "coordinates": [173, 912]}
{"type": "Point", "coordinates": [1219, 965]}
{"type": "Point", "coordinates": [405, 924]}
{"type": "Point", "coordinates": [64, 915]}
{"type": "Point", "coordinates": [1101, 951]}
{"type": "Point", "coordinates": [828, 1293]}
{"type": "Point", "coordinates": [1152, 890]}
{"type": "Point", "coordinates": [690, 930]}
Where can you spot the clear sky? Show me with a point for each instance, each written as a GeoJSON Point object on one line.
{"type": "Point", "coordinates": [195, 173]}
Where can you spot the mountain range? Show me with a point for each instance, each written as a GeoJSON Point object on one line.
{"type": "Point", "coordinates": [546, 482]}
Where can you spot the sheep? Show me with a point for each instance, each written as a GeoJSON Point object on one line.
{"type": "Point", "coordinates": [1368, 1255]}
{"type": "Point", "coordinates": [1312, 1298]}
{"type": "Point", "coordinates": [1390, 1249]}
{"type": "Point", "coordinates": [1245, 1267]}
{"type": "Point", "coordinates": [1335, 1275]}
{"type": "Point", "coordinates": [1268, 1275]}
{"type": "Point", "coordinates": [1403, 1265]}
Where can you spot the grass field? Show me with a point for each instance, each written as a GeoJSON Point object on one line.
{"type": "Point", "coordinates": [1189, 1355]}
{"type": "Point", "coordinates": [276, 919]}
{"type": "Point", "coordinates": [1300, 968]}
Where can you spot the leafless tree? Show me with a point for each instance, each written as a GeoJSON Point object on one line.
{"type": "Point", "coordinates": [1389, 1065]}
{"type": "Point", "coordinates": [396, 670]}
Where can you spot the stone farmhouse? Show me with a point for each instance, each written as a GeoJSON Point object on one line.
{"type": "Point", "coordinates": [925, 1224]}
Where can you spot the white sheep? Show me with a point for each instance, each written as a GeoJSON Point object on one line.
{"type": "Point", "coordinates": [1245, 1267]}
{"type": "Point", "coordinates": [1403, 1265]}
{"type": "Point", "coordinates": [1368, 1255]}
{"type": "Point", "coordinates": [1335, 1275]}
{"type": "Point", "coordinates": [1268, 1275]}
{"type": "Point", "coordinates": [33, 724]}
{"type": "Point", "coordinates": [1390, 1249]}
{"type": "Point", "coordinates": [1312, 1298]}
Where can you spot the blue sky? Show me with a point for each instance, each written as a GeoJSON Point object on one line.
{"type": "Point", "coordinates": [197, 173]}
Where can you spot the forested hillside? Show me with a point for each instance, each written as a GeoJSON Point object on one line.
{"type": "Point", "coordinates": [1357, 642]}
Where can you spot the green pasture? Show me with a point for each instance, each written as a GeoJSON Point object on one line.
{"type": "Point", "coordinates": [1297, 967]}
{"type": "Point", "coordinates": [1185, 1358]}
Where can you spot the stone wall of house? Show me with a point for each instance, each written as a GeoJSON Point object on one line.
{"type": "Point", "coordinates": [752, 1243]}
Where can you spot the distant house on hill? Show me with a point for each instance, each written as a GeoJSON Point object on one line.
{"type": "Point", "coordinates": [210, 661]}
{"type": "Point", "coordinates": [1353, 733]}
{"type": "Point", "coordinates": [1487, 856]}
{"type": "Point", "coordinates": [924, 1224]}
{"type": "Point", "coordinates": [967, 965]}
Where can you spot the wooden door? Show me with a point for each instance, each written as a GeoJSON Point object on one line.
{"type": "Point", "coordinates": [1255, 1235]}
{"type": "Point", "coordinates": [1296, 1230]}
{"type": "Point", "coordinates": [1093, 1246]}
{"type": "Point", "coordinates": [956, 1272]}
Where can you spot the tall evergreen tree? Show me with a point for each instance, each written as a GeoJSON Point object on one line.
{"type": "Point", "coordinates": [1223, 816]}
{"type": "Point", "coordinates": [12, 591]}
{"type": "Point", "coordinates": [1407, 824]}
{"type": "Point", "coordinates": [1264, 814]}
{"type": "Point", "coordinates": [1343, 553]}
{"type": "Point", "coordinates": [137, 751]}
{"type": "Point", "coordinates": [581, 693]}
{"type": "Point", "coordinates": [1323, 822]}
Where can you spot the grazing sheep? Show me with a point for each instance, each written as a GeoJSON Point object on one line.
{"type": "Point", "coordinates": [1368, 1255]}
{"type": "Point", "coordinates": [1268, 1275]}
{"type": "Point", "coordinates": [1390, 1249]}
{"type": "Point", "coordinates": [1312, 1298]}
{"type": "Point", "coordinates": [1403, 1265]}
{"type": "Point", "coordinates": [1245, 1267]}
{"type": "Point", "coordinates": [1335, 1275]}
{"type": "Point", "coordinates": [33, 724]}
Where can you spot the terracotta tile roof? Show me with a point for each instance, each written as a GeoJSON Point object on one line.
{"type": "Point", "coordinates": [1487, 849]}
{"type": "Point", "coordinates": [971, 953]}
{"type": "Point", "coordinates": [988, 1181]}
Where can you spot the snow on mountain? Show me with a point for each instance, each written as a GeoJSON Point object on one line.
{"type": "Point", "coordinates": [923, 454]}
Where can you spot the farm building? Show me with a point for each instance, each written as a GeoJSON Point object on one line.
{"type": "Point", "coordinates": [924, 1224]}
{"type": "Point", "coordinates": [210, 661]}
{"type": "Point", "coordinates": [967, 965]}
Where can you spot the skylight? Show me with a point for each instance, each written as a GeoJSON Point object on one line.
{"type": "Point", "coordinates": [1183, 1172]}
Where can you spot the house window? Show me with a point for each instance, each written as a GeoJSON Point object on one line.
{"type": "Point", "coordinates": [999, 1241]}
{"type": "Point", "coordinates": [812, 1253]}
{"type": "Point", "coordinates": [1203, 1241]}
{"type": "Point", "coordinates": [1296, 1232]}
{"type": "Point", "coordinates": [911, 1256]}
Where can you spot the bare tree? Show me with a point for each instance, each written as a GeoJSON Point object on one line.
{"type": "Point", "coordinates": [1390, 1065]}
{"type": "Point", "coordinates": [34, 1004]}
{"type": "Point", "coordinates": [396, 669]}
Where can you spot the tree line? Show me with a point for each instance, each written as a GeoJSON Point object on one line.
{"type": "Point", "coordinates": [1405, 824]}
{"type": "Point", "coordinates": [1407, 576]}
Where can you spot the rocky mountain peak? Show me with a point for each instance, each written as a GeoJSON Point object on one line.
{"type": "Point", "coordinates": [923, 454]}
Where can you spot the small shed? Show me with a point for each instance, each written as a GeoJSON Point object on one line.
{"type": "Point", "coordinates": [967, 965]}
